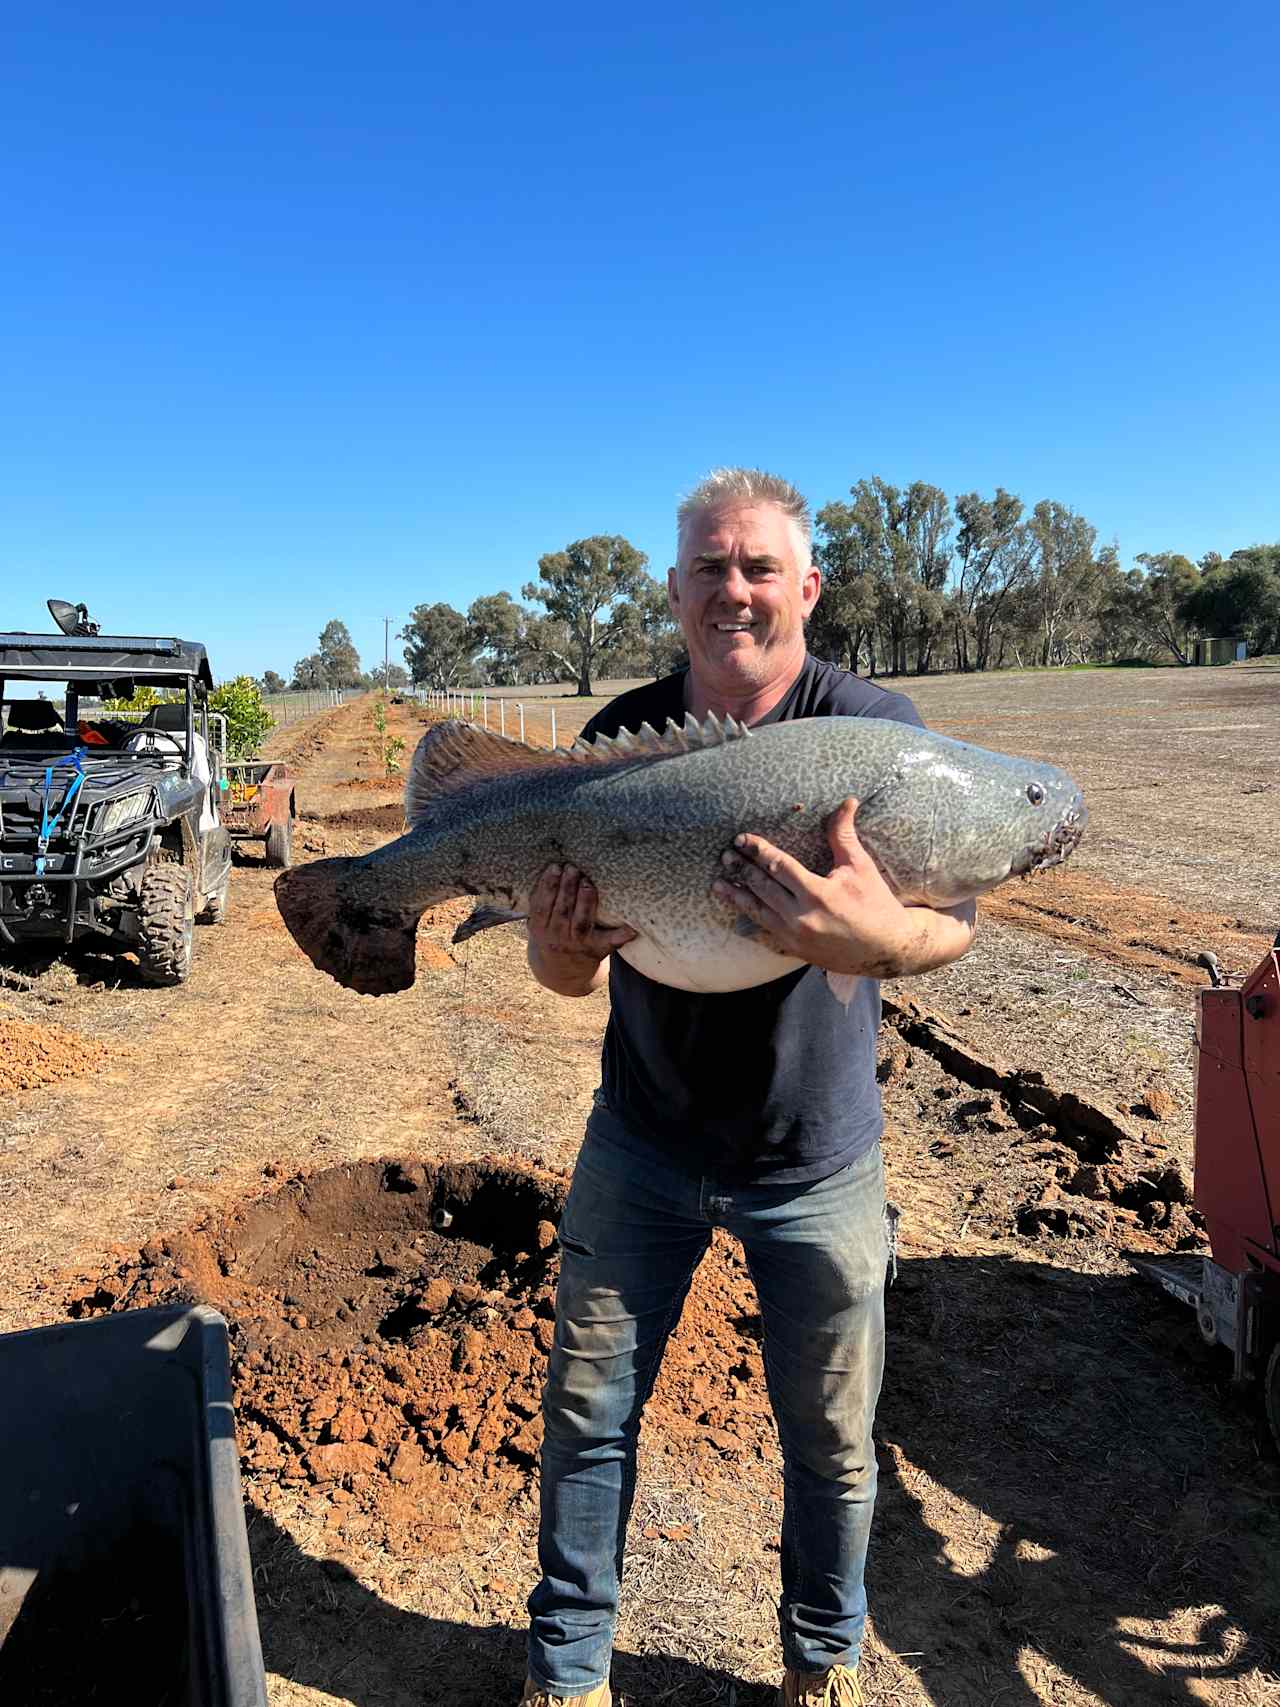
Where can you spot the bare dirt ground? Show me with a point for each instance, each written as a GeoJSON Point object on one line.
{"type": "Point", "coordinates": [1074, 1507]}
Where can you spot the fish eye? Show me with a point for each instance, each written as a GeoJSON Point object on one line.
{"type": "Point", "coordinates": [1035, 794]}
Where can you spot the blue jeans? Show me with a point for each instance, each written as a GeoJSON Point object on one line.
{"type": "Point", "coordinates": [634, 1229]}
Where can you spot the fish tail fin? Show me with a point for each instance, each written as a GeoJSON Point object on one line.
{"type": "Point", "coordinates": [366, 948]}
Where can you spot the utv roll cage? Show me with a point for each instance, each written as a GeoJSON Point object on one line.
{"type": "Point", "coordinates": [109, 821]}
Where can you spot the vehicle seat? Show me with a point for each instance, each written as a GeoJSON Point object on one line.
{"type": "Point", "coordinates": [34, 725]}
{"type": "Point", "coordinates": [173, 718]}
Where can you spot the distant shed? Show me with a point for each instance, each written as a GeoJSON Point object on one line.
{"type": "Point", "coordinates": [1221, 649]}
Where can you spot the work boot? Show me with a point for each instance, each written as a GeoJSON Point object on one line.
{"type": "Point", "coordinates": [837, 1687]}
{"type": "Point", "coordinates": [535, 1696]}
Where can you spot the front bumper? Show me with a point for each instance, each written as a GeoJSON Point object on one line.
{"type": "Point", "coordinates": [73, 877]}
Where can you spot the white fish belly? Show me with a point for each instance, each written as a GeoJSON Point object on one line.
{"type": "Point", "coordinates": [716, 964]}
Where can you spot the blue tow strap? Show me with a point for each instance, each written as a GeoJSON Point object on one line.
{"type": "Point", "coordinates": [47, 824]}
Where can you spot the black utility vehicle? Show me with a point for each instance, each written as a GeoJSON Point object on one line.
{"type": "Point", "coordinates": [109, 823]}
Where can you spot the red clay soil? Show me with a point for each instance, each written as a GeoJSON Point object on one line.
{"type": "Point", "coordinates": [394, 1359]}
{"type": "Point", "coordinates": [398, 1366]}
{"type": "Point", "coordinates": [387, 820]}
{"type": "Point", "coordinates": [36, 1055]}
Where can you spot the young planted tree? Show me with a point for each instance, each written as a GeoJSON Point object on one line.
{"type": "Point", "coordinates": [585, 587]}
{"type": "Point", "coordinates": [248, 720]}
{"type": "Point", "coordinates": [389, 747]}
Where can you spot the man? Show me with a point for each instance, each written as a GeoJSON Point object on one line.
{"type": "Point", "coordinates": [756, 1110]}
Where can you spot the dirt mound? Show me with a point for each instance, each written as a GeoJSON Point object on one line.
{"type": "Point", "coordinates": [36, 1055]}
{"type": "Point", "coordinates": [381, 818]}
{"type": "Point", "coordinates": [390, 1324]}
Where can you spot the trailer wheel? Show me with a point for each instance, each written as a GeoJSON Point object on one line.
{"type": "Point", "coordinates": [280, 843]}
{"type": "Point", "coordinates": [167, 923]}
{"type": "Point", "coordinates": [1271, 1392]}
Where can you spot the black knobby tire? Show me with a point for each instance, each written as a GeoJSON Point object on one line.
{"type": "Point", "coordinates": [280, 843]}
{"type": "Point", "coordinates": [216, 905]}
{"type": "Point", "coordinates": [166, 919]}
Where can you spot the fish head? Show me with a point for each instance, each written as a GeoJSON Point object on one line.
{"type": "Point", "coordinates": [1063, 822]}
{"type": "Point", "coordinates": [965, 819]}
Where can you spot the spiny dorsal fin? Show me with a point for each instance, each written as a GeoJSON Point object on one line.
{"type": "Point", "coordinates": [453, 756]}
{"type": "Point", "coordinates": [646, 743]}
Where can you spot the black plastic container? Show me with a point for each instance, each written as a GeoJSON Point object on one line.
{"type": "Point", "coordinates": [124, 1568]}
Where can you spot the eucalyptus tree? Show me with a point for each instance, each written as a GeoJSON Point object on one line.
{"type": "Point", "coordinates": [994, 552]}
{"type": "Point", "coordinates": [586, 587]}
{"type": "Point", "coordinates": [1167, 582]}
{"type": "Point", "coordinates": [499, 628]}
{"type": "Point", "coordinates": [439, 645]}
{"type": "Point", "coordinates": [1240, 595]}
{"type": "Point", "coordinates": [1066, 576]}
{"type": "Point", "coordinates": [339, 659]}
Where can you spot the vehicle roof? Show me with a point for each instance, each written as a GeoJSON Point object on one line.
{"type": "Point", "coordinates": [152, 660]}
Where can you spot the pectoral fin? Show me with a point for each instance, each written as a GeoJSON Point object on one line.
{"type": "Point", "coordinates": [484, 919]}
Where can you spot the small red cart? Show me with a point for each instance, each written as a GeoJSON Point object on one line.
{"type": "Point", "coordinates": [258, 804]}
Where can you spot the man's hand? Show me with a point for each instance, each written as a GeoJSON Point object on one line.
{"type": "Point", "coordinates": [567, 948]}
{"type": "Point", "coordinates": [849, 922]}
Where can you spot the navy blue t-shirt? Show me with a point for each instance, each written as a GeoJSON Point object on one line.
{"type": "Point", "coordinates": [773, 1085]}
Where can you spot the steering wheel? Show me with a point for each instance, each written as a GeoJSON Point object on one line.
{"type": "Point", "coordinates": [165, 735]}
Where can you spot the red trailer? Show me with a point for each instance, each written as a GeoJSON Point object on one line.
{"type": "Point", "coordinates": [1235, 1291]}
{"type": "Point", "coordinates": [259, 804]}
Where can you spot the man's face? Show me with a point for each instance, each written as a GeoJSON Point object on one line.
{"type": "Point", "coordinates": [741, 592]}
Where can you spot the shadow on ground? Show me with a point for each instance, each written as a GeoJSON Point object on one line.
{"type": "Point", "coordinates": [323, 1628]}
{"type": "Point", "coordinates": [1133, 1502]}
{"type": "Point", "coordinates": [1123, 1524]}
{"type": "Point", "coordinates": [24, 964]}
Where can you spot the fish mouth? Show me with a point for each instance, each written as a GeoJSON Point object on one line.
{"type": "Point", "coordinates": [1053, 848]}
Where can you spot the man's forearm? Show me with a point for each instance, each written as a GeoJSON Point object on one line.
{"type": "Point", "coordinates": [567, 974]}
{"type": "Point", "coordinates": [935, 937]}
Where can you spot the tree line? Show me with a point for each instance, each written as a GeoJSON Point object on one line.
{"type": "Point", "coordinates": [913, 582]}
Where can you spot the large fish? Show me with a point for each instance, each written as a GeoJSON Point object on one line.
{"type": "Point", "coordinates": [647, 817]}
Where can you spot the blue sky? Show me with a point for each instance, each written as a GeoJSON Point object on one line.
{"type": "Point", "coordinates": [314, 311]}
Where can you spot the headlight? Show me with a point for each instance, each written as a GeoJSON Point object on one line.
{"type": "Point", "coordinates": [115, 814]}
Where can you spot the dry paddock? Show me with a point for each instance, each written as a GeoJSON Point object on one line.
{"type": "Point", "coordinates": [1075, 1508]}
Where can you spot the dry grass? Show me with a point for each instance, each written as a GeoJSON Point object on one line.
{"type": "Point", "coordinates": [1074, 1509]}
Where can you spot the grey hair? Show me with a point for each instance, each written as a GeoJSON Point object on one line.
{"type": "Point", "coordinates": [745, 486]}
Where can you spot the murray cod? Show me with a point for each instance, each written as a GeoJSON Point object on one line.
{"type": "Point", "coordinates": [647, 817]}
